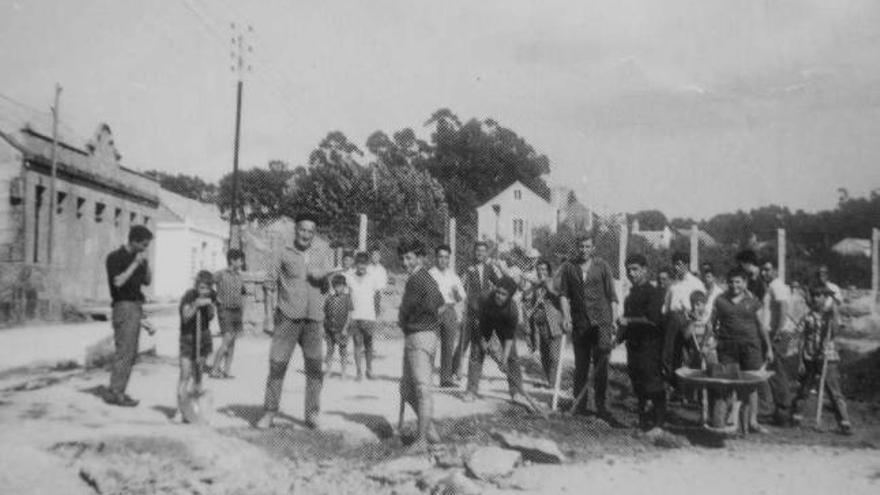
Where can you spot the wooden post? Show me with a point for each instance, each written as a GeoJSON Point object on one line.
{"type": "Point", "coordinates": [621, 253]}
{"type": "Point", "coordinates": [780, 254]}
{"type": "Point", "coordinates": [875, 268]}
{"type": "Point", "coordinates": [362, 235]}
{"type": "Point", "coordinates": [695, 249]}
{"type": "Point", "coordinates": [54, 174]}
{"type": "Point", "coordinates": [452, 228]}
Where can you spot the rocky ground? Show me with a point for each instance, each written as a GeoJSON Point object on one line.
{"type": "Point", "coordinates": [59, 437]}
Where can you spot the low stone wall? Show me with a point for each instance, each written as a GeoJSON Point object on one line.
{"type": "Point", "coordinates": [28, 292]}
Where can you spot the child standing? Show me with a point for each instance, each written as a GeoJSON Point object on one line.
{"type": "Point", "coordinates": [196, 305]}
{"type": "Point", "coordinates": [337, 314]}
{"type": "Point", "coordinates": [230, 304]}
{"type": "Point", "coordinates": [818, 349]}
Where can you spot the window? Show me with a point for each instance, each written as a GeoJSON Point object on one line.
{"type": "Point", "coordinates": [518, 228]}
{"type": "Point", "coordinates": [132, 218]}
{"type": "Point", "coordinates": [59, 203]}
{"type": "Point", "coordinates": [146, 221]}
{"type": "Point", "coordinates": [517, 194]}
{"type": "Point", "coordinates": [117, 217]}
{"type": "Point", "coordinates": [99, 212]}
{"type": "Point", "coordinates": [38, 206]}
{"type": "Point", "coordinates": [80, 204]}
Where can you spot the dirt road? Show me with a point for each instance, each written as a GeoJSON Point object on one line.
{"type": "Point", "coordinates": [59, 437]}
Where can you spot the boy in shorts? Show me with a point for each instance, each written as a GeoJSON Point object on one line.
{"type": "Point", "coordinates": [337, 316]}
{"type": "Point", "coordinates": [230, 304]}
{"type": "Point", "coordinates": [741, 338]}
{"type": "Point", "coordinates": [198, 300]}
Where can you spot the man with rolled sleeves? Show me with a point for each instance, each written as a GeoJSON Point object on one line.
{"type": "Point", "coordinates": [127, 271]}
{"type": "Point", "coordinates": [589, 310]}
{"type": "Point", "coordinates": [297, 276]}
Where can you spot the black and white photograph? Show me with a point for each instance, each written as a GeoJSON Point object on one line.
{"type": "Point", "coordinates": [439, 247]}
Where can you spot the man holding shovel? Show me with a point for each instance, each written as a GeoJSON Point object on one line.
{"type": "Point", "coordinates": [499, 317]}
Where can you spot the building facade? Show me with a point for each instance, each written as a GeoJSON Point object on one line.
{"type": "Point", "coordinates": [190, 236]}
{"type": "Point", "coordinates": [510, 217]}
{"type": "Point", "coordinates": [49, 258]}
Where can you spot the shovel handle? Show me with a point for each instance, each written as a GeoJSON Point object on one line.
{"type": "Point", "coordinates": [821, 398]}
{"type": "Point", "coordinates": [518, 387]}
{"type": "Point", "coordinates": [558, 379]}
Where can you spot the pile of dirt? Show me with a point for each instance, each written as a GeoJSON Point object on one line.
{"type": "Point", "coordinates": [161, 464]}
{"type": "Point", "coordinates": [861, 375]}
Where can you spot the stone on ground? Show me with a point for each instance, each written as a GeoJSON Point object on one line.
{"type": "Point", "coordinates": [540, 450]}
{"type": "Point", "coordinates": [449, 483]}
{"type": "Point", "coordinates": [488, 463]}
{"type": "Point", "coordinates": [664, 439]}
{"type": "Point", "coordinates": [400, 469]}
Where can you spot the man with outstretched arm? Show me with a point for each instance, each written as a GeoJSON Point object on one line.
{"type": "Point", "coordinates": [297, 276]}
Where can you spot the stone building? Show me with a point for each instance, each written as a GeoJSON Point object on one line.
{"type": "Point", "coordinates": [97, 200]}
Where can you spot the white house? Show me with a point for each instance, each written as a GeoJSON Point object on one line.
{"type": "Point", "coordinates": [510, 217]}
{"type": "Point", "coordinates": [190, 236]}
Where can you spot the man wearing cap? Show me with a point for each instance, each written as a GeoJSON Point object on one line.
{"type": "Point", "coordinates": [297, 277]}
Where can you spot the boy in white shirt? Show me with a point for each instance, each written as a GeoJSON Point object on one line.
{"type": "Point", "coordinates": [364, 290]}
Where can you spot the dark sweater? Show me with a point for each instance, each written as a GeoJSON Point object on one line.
{"type": "Point", "coordinates": [420, 303]}
{"type": "Point", "coordinates": [499, 320]}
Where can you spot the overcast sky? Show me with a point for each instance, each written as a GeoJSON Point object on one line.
{"type": "Point", "coordinates": [693, 107]}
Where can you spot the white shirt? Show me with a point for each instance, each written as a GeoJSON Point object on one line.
{"type": "Point", "coordinates": [678, 298]}
{"type": "Point", "coordinates": [448, 282]}
{"type": "Point", "coordinates": [771, 314]}
{"type": "Point", "coordinates": [363, 291]}
{"type": "Point", "coordinates": [837, 295]}
{"type": "Point", "coordinates": [378, 272]}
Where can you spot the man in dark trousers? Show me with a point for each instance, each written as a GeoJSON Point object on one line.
{"type": "Point", "coordinates": [127, 271]}
{"type": "Point", "coordinates": [479, 279]}
{"type": "Point", "coordinates": [419, 320]}
{"type": "Point", "coordinates": [642, 330]}
{"type": "Point", "coordinates": [499, 316]}
{"type": "Point", "coordinates": [589, 309]}
{"type": "Point", "coordinates": [298, 275]}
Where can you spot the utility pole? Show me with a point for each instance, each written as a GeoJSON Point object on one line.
{"type": "Point", "coordinates": [54, 161]}
{"type": "Point", "coordinates": [240, 49]}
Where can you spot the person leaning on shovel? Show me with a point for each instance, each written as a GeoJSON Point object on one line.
{"type": "Point", "coordinates": [196, 312]}
{"type": "Point", "coordinates": [499, 317]}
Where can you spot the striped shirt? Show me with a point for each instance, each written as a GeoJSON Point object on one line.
{"type": "Point", "coordinates": [230, 289]}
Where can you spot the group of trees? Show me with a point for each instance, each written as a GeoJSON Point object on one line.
{"type": "Point", "coordinates": [405, 185]}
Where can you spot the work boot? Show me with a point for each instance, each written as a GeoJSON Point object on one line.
{"type": "Point", "coordinates": [846, 428]}
{"type": "Point", "coordinates": [266, 421]}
